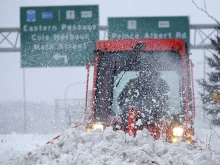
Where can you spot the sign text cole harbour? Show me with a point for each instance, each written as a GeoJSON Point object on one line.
{"type": "Point", "coordinates": [58, 36]}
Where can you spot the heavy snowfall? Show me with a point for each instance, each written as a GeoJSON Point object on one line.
{"type": "Point", "coordinates": [35, 128]}
{"type": "Point", "coordinates": [78, 147]}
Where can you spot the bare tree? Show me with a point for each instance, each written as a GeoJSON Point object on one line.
{"type": "Point", "coordinates": [209, 85]}
{"type": "Point", "coordinates": [204, 9]}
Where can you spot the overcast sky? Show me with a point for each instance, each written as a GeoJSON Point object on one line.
{"type": "Point", "coordinates": [47, 84]}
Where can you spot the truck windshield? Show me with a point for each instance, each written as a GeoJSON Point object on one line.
{"type": "Point", "coordinates": [150, 80]}
{"type": "Point", "coordinates": [170, 77]}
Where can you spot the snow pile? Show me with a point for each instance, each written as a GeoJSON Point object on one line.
{"type": "Point", "coordinates": [16, 145]}
{"type": "Point", "coordinates": [78, 147]}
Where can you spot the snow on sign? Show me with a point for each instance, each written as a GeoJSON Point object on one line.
{"type": "Point", "coordinates": [149, 27]}
{"type": "Point", "coordinates": [58, 36]}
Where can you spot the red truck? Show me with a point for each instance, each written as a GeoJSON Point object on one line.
{"type": "Point", "coordinates": [143, 83]}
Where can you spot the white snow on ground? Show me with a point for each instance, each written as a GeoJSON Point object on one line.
{"type": "Point", "coordinates": [77, 147]}
{"type": "Point", "coordinates": [15, 145]}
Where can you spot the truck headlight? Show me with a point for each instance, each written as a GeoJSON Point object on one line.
{"type": "Point", "coordinates": [98, 126]}
{"type": "Point", "coordinates": [177, 131]}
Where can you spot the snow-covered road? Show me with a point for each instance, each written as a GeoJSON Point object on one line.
{"type": "Point", "coordinates": [15, 145]}
{"type": "Point", "coordinates": [78, 147]}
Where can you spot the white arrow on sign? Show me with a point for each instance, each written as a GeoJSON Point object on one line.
{"type": "Point", "coordinates": [58, 56]}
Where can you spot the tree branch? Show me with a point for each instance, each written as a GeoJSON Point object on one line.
{"type": "Point", "coordinates": [205, 11]}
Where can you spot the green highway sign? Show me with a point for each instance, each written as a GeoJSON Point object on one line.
{"type": "Point", "coordinates": [149, 27]}
{"type": "Point", "coordinates": [58, 36]}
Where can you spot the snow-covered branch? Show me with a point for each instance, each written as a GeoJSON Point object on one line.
{"type": "Point", "coordinates": [205, 11]}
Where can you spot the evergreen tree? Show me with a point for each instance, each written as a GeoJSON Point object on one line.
{"type": "Point", "coordinates": [211, 96]}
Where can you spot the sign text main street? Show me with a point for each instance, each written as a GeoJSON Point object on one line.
{"type": "Point", "coordinates": [58, 36]}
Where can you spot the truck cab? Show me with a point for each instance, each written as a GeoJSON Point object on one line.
{"type": "Point", "coordinates": [150, 79]}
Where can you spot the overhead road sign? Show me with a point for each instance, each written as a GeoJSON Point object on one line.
{"type": "Point", "coordinates": [149, 27]}
{"type": "Point", "coordinates": [58, 36]}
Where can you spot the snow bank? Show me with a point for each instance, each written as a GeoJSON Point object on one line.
{"type": "Point", "coordinates": [78, 147]}
{"type": "Point", "coordinates": [17, 145]}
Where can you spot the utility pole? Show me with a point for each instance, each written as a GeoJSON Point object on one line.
{"type": "Point", "coordinates": [24, 95]}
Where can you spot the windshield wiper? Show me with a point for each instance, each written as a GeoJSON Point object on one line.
{"type": "Point", "coordinates": [119, 79]}
{"type": "Point", "coordinates": [136, 49]}
{"type": "Point", "coordinates": [130, 63]}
